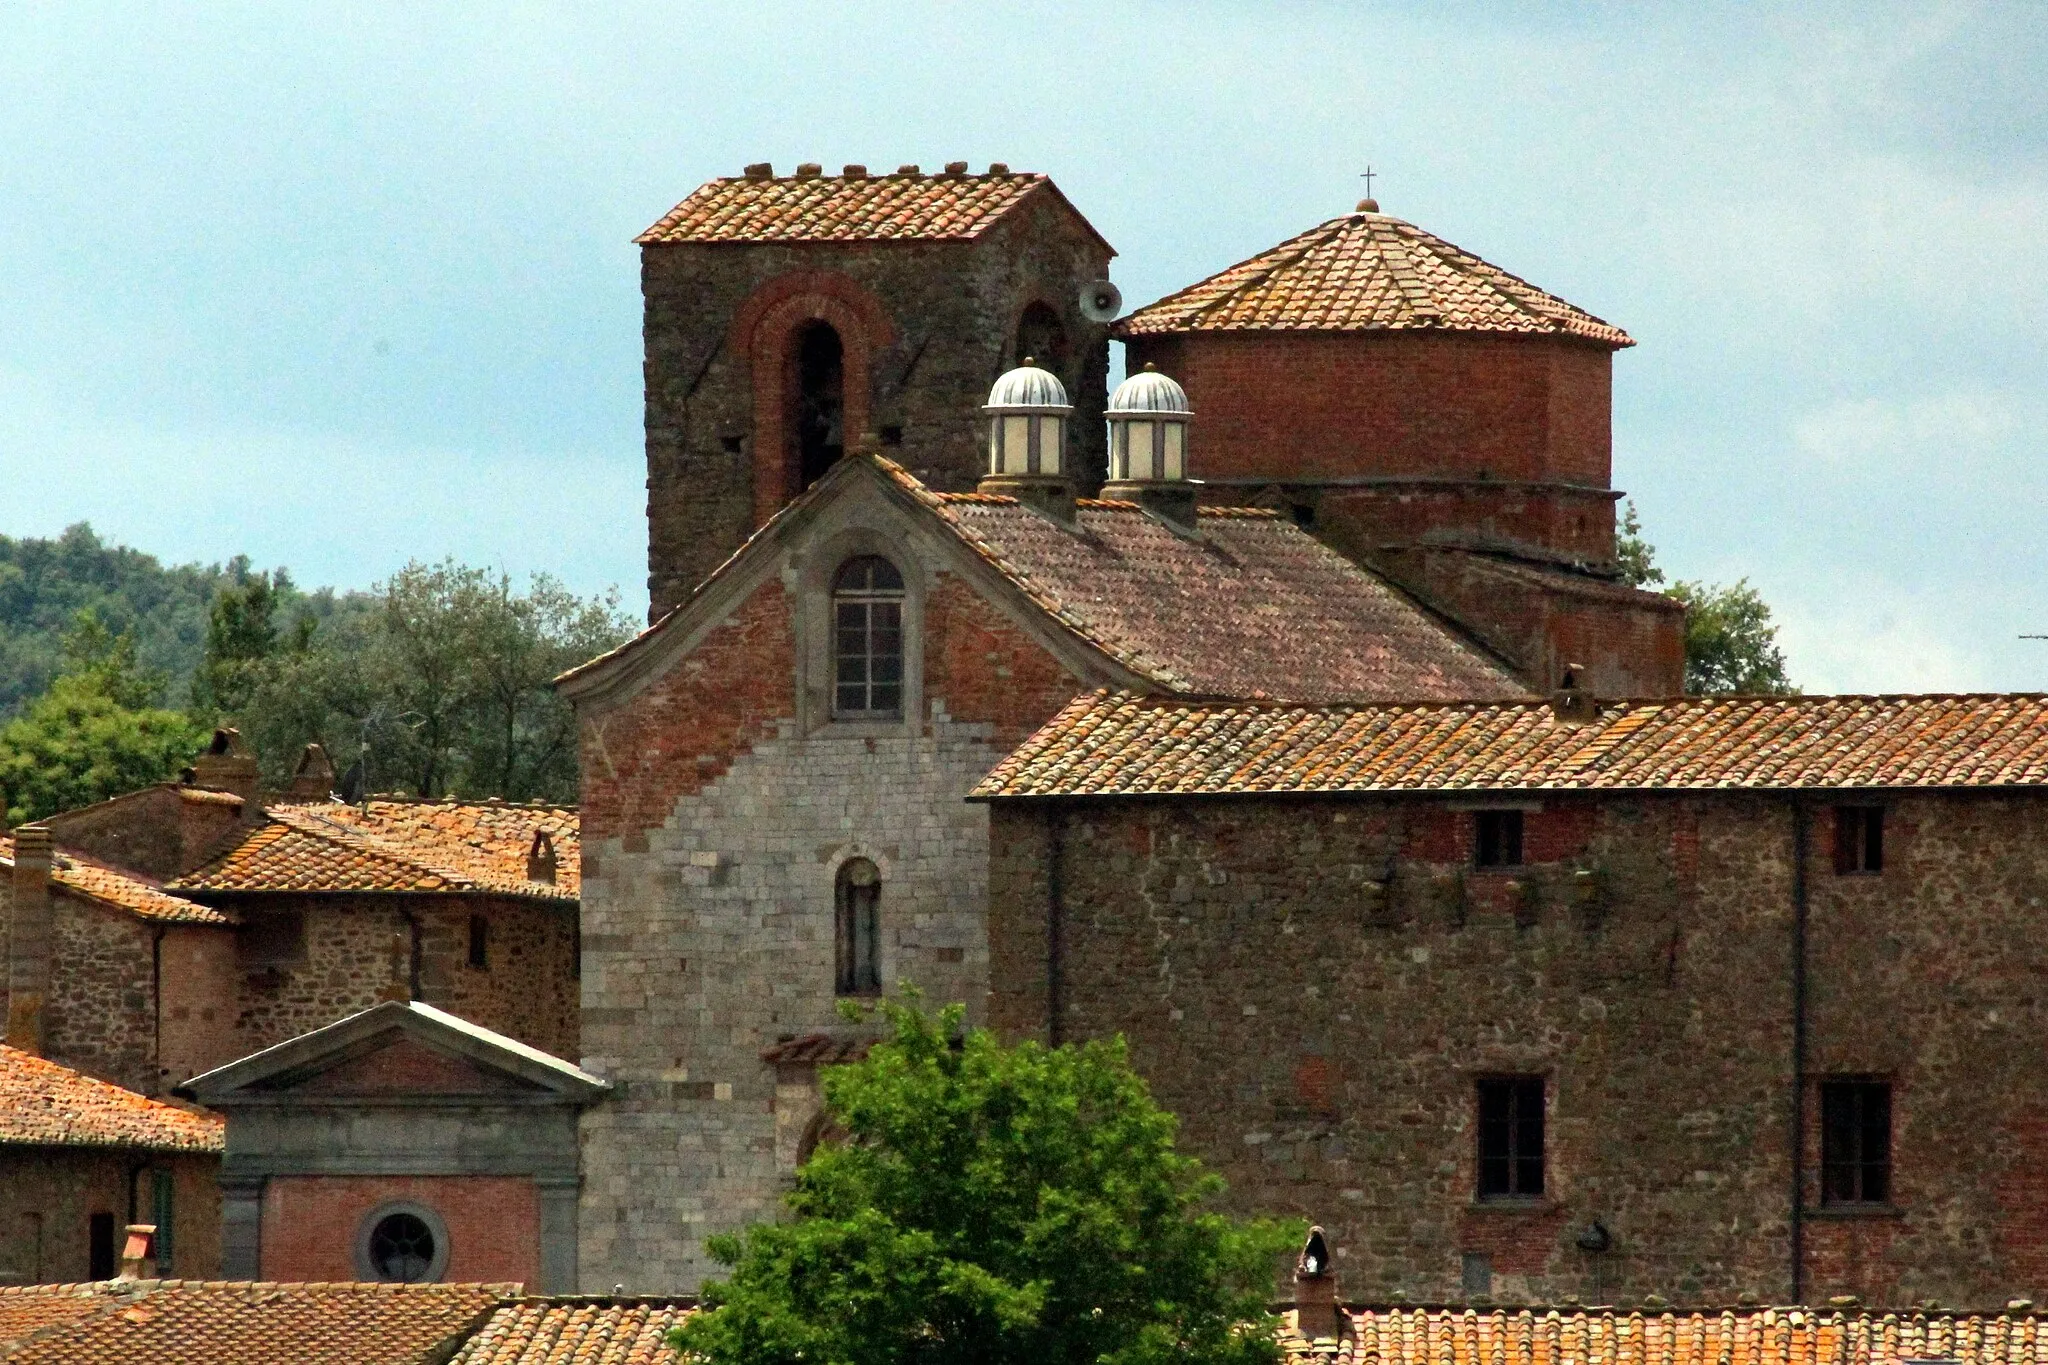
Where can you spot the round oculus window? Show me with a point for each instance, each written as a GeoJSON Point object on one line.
{"type": "Point", "coordinates": [402, 1243]}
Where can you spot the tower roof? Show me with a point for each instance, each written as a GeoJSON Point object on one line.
{"type": "Point", "coordinates": [1367, 272]}
{"type": "Point", "coordinates": [907, 205]}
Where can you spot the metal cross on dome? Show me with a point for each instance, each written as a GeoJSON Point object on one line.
{"type": "Point", "coordinates": [1367, 177]}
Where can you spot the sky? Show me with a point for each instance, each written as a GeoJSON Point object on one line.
{"type": "Point", "coordinates": [338, 287]}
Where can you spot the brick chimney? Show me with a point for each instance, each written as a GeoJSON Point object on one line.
{"type": "Point", "coordinates": [313, 780]}
{"type": "Point", "coordinates": [138, 1253]}
{"type": "Point", "coordinates": [1316, 1314]}
{"type": "Point", "coordinates": [29, 946]}
{"type": "Point", "coordinates": [229, 767]}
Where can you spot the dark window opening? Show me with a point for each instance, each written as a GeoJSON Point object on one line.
{"type": "Point", "coordinates": [479, 941]}
{"type": "Point", "coordinates": [1511, 1137]}
{"type": "Point", "coordinates": [819, 394]}
{"type": "Point", "coordinates": [273, 939]}
{"type": "Point", "coordinates": [867, 639]}
{"type": "Point", "coordinates": [1042, 339]}
{"type": "Point", "coordinates": [1859, 839]}
{"type": "Point", "coordinates": [1304, 515]}
{"type": "Point", "coordinates": [1855, 1142]}
{"type": "Point", "coordinates": [1497, 838]}
{"type": "Point", "coordinates": [892, 436]}
{"type": "Point", "coordinates": [857, 930]}
{"type": "Point", "coordinates": [402, 1248]}
{"type": "Point", "coordinates": [99, 1254]}
{"type": "Point", "coordinates": [576, 953]}
{"type": "Point", "coordinates": [730, 444]}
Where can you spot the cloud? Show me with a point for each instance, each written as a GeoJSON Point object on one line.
{"type": "Point", "coordinates": [1896, 435]}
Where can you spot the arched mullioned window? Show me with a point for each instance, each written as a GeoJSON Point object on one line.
{"type": "Point", "coordinates": [867, 640]}
{"type": "Point", "coordinates": [857, 897]}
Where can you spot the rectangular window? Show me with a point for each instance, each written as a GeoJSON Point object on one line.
{"type": "Point", "coordinates": [1855, 1142]}
{"type": "Point", "coordinates": [163, 1212]}
{"type": "Point", "coordinates": [1497, 838]}
{"type": "Point", "coordinates": [272, 939]}
{"type": "Point", "coordinates": [1859, 839]}
{"type": "Point", "coordinates": [99, 1252]}
{"type": "Point", "coordinates": [1511, 1137]}
{"type": "Point", "coordinates": [479, 941]}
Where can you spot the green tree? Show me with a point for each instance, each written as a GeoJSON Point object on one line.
{"type": "Point", "coordinates": [993, 1204]}
{"type": "Point", "coordinates": [1731, 643]}
{"type": "Point", "coordinates": [242, 637]}
{"type": "Point", "coordinates": [440, 684]}
{"type": "Point", "coordinates": [97, 732]}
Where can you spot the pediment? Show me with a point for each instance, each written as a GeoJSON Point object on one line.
{"type": "Point", "coordinates": [397, 1064]}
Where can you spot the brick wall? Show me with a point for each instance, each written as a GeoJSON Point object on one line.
{"type": "Point", "coordinates": [1319, 1025]}
{"type": "Point", "coordinates": [311, 1223]}
{"type": "Point", "coordinates": [714, 827]}
{"type": "Point", "coordinates": [49, 1194]}
{"type": "Point", "coordinates": [926, 328]}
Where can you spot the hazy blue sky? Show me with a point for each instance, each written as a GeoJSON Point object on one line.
{"type": "Point", "coordinates": [341, 286]}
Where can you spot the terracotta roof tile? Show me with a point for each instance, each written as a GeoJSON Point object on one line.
{"type": "Point", "coordinates": [191, 1322]}
{"type": "Point", "coordinates": [1253, 607]}
{"type": "Point", "coordinates": [816, 1049]}
{"type": "Point", "coordinates": [43, 1104]}
{"type": "Point", "coordinates": [397, 845]}
{"type": "Point", "coordinates": [1740, 1336]}
{"type": "Point", "coordinates": [120, 890]}
{"type": "Point", "coordinates": [1367, 272]}
{"type": "Point", "coordinates": [1119, 744]}
{"type": "Point", "coordinates": [829, 208]}
{"type": "Point", "coordinates": [598, 1331]}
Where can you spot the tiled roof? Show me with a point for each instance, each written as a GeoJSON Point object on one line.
{"type": "Point", "coordinates": [43, 1104]}
{"type": "Point", "coordinates": [833, 208]}
{"type": "Point", "coordinates": [1120, 744]}
{"type": "Point", "coordinates": [1254, 607]}
{"type": "Point", "coordinates": [120, 890]}
{"type": "Point", "coordinates": [192, 1322]}
{"type": "Point", "coordinates": [397, 845]}
{"type": "Point", "coordinates": [1367, 272]}
{"type": "Point", "coordinates": [816, 1049]}
{"type": "Point", "coordinates": [1738, 1336]}
{"type": "Point", "coordinates": [597, 1331]}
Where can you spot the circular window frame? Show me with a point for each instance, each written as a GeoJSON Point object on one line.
{"type": "Point", "coordinates": [436, 1268]}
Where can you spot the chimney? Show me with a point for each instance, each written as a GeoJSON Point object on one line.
{"type": "Point", "coordinates": [1571, 703]}
{"type": "Point", "coordinates": [29, 946]}
{"type": "Point", "coordinates": [540, 859]}
{"type": "Point", "coordinates": [313, 780]}
{"type": "Point", "coordinates": [138, 1253]}
{"type": "Point", "coordinates": [228, 767]}
{"type": "Point", "coordinates": [1316, 1315]}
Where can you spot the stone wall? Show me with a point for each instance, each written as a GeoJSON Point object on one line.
{"type": "Point", "coordinates": [926, 326]}
{"type": "Point", "coordinates": [49, 1194]}
{"type": "Point", "coordinates": [715, 822]}
{"type": "Point", "coordinates": [1316, 986]}
{"type": "Point", "coordinates": [101, 1014]}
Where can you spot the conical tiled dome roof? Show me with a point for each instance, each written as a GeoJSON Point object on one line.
{"type": "Point", "coordinates": [1367, 272]}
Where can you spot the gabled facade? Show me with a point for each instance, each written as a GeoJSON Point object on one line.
{"type": "Point", "coordinates": [763, 839]}
{"type": "Point", "coordinates": [400, 1144]}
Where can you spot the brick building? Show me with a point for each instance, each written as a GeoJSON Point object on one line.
{"type": "Point", "coordinates": [80, 1160]}
{"type": "Point", "coordinates": [1540, 1000]}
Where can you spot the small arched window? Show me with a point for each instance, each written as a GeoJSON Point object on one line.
{"type": "Point", "coordinates": [857, 928]}
{"type": "Point", "coordinates": [867, 639]}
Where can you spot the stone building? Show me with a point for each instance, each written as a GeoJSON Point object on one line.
{"type": "Point", "coordinates": [81, 1160]}
{"type": "Point", "coordinates": [1696, 997]}
{"type": "Point", "coordinates": [786, 316]}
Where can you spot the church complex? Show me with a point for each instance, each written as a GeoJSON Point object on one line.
{"type": "Point", "coordinates": [1283, 710]}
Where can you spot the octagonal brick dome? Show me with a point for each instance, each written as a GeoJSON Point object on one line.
{"type": "Point", "coordinates": [1149, 391]}
{"type": "Point", "coordinates": [1029, 387]}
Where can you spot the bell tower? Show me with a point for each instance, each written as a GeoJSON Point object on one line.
{"type": "Point", "coordinates": [787, 316]}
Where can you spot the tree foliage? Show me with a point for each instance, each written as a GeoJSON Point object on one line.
{"type": "Point", "coordinates": [440, 684]}
{"type": "Point", "coordinates": [1731, 643]}
{"type": "Point", "coordinates": [993, 1204]}
{"type": "Point", "coordinates": [96, 732]}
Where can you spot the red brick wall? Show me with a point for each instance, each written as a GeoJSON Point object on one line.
{"type": "Point", "coordinates": [986, 669]}
{"type": "Point", "coordinates": [202, 987]}
{"type": "Point", "coordinates": [310, 1224]}
{"type": "Point", "coordinates": [1284, 405]}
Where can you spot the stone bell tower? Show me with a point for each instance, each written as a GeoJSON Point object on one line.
{"type": "Point", "coordinates": [787, 316]}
